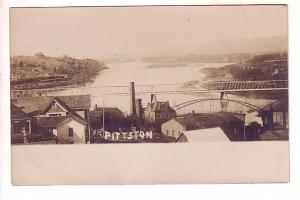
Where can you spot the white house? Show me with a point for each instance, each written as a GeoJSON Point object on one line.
{"type": "Point", "coordinates": [67, 129]}
{"type": "Point", "coordinates": [64, 118]}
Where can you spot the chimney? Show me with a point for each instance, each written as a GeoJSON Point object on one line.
{"type": "Point", "coordinates": [132, 99]}
{"type": "Point", "coordinates": [139, 108]}
{"type": "Point", "coordinates": [153, 98]}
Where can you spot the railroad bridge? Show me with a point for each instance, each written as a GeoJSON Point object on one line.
{"type": "Point", "coordinates": [247, 85]}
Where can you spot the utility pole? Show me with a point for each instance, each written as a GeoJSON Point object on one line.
{"type": "Point", "coordinates": [103, 121]}
{"type": "Point", "coordinates": [244, 127]}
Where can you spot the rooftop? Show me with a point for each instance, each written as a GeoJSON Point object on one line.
{"type": "Point", "coordinates": [206, 135]}
{"type": "Point", "coordinates": [17, 113]}
{"type": "Point", "coordinates": [54, 122]}
{"type": "Point", "coordinates": [32, 104]}
{"type": "Point", "coordinates": [97, 112]}
{"type": "Point", "coordinates": [160, 107]}
{"type": "Point", "coordinates": [206, 120]}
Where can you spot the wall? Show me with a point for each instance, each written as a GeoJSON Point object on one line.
{"type": "Point", "coordinates": [168, 127]}
{"type": "Point", "coordinates": [149, 116]}
{"type": "Point", "coordinates": [78, 133]}
{"type": "Point", "coordinates": [56, 113]}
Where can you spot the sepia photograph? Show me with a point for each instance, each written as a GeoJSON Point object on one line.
{"type": "Point", "coordinates": [145, 75]}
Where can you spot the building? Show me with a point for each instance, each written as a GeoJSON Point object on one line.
{"type": "Point", "coordinates": [113, 118]}
{"type": "Point", "coordinates": [20, 124]}
{"type": "Point", "coordinates": [232, 126]}
{"type": "Point", "coordinates": [158, 112]}
{"type": "Point", "coordinates": [203, 135]}
{"type": "Point", "coordinates": [276, 114]}
{"type": "Point", "coordinates": [276, 121]}
{"type": "Point", "coordinates": [67, 129]}
{"type": "Point", "coordinates": [139, 108]}
{"type": "Point", "coordinates": [64, 118]}
{"type": "Point", "coordinates": [36, 106]}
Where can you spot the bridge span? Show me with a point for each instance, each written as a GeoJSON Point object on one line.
{"type": "Point", "coordinates": [199, 87]}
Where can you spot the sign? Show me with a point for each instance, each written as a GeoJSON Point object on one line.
{"type": "Point", "coordinates": [123, 136]}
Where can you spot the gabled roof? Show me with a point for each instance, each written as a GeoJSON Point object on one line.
{"type": "Point", "coordinates": [65, 106]}
{"type": "Point", "coordinates": [77, 101]}
{"type": "Point", "coordinates": [54, 122]}
{"type": "Point", "coordinates": [60, 102]}
{"type": "Point", "coordinates": [39, 104]}
{"type": "Point", "coordinates": [160, 107]}
{"type": "Point", "coordinates": [17, 113]}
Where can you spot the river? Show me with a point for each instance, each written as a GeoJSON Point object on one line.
{"type": "Point", "coordinates": [115, 81]}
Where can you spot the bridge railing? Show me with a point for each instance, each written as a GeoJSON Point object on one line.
{"type": "Point", "coordinates": [244, 85]}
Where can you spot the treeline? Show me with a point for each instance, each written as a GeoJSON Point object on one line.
{"type": "Point", "coordinates": [194, 58]}
{"type": "Point", "coordinates": [262, 67]}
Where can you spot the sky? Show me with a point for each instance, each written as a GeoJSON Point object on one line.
{"type": "Point", "coordinates": [99, 32]}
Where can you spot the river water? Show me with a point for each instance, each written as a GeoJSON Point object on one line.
{"type": "Point", "coordinates": [110, 85]}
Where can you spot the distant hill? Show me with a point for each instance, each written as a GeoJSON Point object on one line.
{"type": "Point", "coordinates": [225, 50]}
{"type": "Point", "coordinates": [255, 46]}
{"type": "Point", "coordinates": [76, 71]}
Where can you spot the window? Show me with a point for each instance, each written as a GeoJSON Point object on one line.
{"type": "Point", "coordinates": [235, 131]}
{"type": "Point", "coordinates": [70, 132]}
{"type": "Point", "coordinates": [54, 132]}
{"type": "Point", "coordinates": [54, 115]}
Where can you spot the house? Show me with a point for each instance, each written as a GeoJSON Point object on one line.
{"type": "Point", "coordinates": [67, 129]}
{"type": "Point", "coordinates": [230, 124]}
{"type": "Point", "coordinates": [113, 118]}
{"type": "Point", "coordinates": [36, 105]}
{"type": "Point", "coordinates": [20, 124]}
{"type": "Point", "coordinates": [63, 117]}
{"type": "Point", "coordinates": [158, 112]}
{"type": "Point", "coordinates": [204, 135]}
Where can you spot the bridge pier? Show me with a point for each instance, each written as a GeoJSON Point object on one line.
{"type": "Point", "coordinates": [224, 103]}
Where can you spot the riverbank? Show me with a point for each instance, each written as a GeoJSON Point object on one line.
{"type": "Point", "coordinates": [262, 67]}
{"type": "Point", "coordinates": [36, 72]}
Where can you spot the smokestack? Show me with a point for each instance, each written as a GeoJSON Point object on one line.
{"type": "Point", "coordinates": [132, 99]}
{"type": "Point", "coordinates": [153, 98]}
{"type": "Point", "coordinates": [139, 108]}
